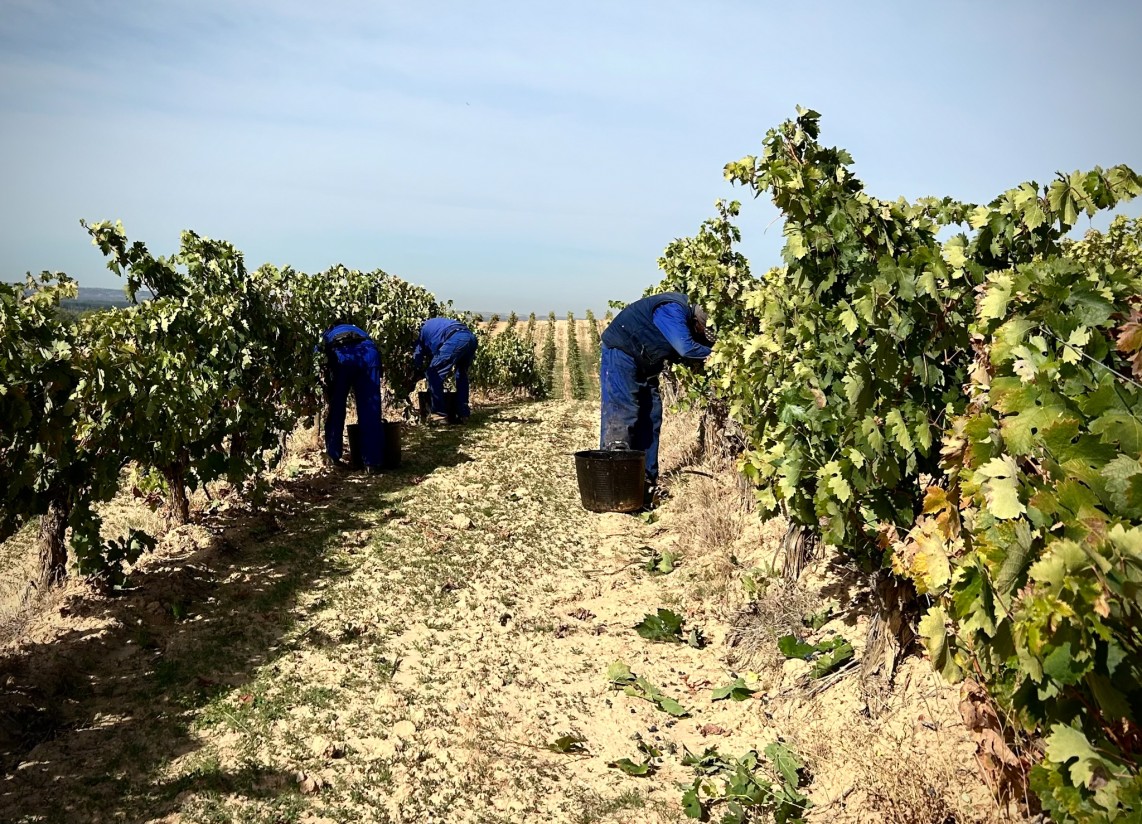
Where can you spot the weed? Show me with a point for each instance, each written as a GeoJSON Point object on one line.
{"type": "Point", "coordinates": [648, 765]}
{"type": "Point", "coordinates": [621, 677]}
{"type": "Point", "coordinates": [600, 809]}
{"type": "Point", "coordinates": [745, 796]}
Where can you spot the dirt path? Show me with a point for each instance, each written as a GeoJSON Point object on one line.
{"type": "Point", "coordinates": [392, 649]}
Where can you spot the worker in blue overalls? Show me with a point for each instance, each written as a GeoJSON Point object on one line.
{"type": "Point", "coordinates": [636, 346]}
{"type": "Point", "coordinates": [445, 346]}
{"type": "Point", "coordinates": [352, 362]}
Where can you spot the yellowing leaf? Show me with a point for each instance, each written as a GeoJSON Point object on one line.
{"type": "Point", "coordinates": [1002, 488]}
{"type": "Point", "coordinates": [933, 630]}
{"type": "Point", "coordinates": [995, 298]}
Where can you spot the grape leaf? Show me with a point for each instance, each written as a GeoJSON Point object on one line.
{"type": "Point", "coordinates": [738, 690]}
{"type": "Point", "coordinates": [568, 744]}
{"type": "Point", "coordinates": [793, 647]}
{"type": "Point", "coordinates": [619, 674]}
{"type": "Point", "coordinates": [786, 762]}
{"type": "Point", "coordinates": [837, 653]}
{"type": "Point", "coordinates": [630, 767]}
{"type": "Point", "coordinates": [663, 626]}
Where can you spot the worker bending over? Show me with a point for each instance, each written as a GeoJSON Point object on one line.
{"type": "Point", "coordinates": [352, 362]}
{"type": "Point", "coordinates": [446, 346]}
{"type": "Point", "coordinates": [636, 346]}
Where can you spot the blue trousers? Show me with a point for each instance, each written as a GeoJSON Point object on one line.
{"type": "Point", "coordinates": [631, 408]}
{"type": "Point", "coordinates": [456, 353]}
{"type": "Point", "coordinates": [356, 367]}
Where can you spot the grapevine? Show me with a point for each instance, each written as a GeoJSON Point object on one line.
{"type": "Point", "coordinates": [846, 370]}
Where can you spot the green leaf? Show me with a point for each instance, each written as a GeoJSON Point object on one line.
{"type": "Point", "coordinates": [631, 768]}
{"type": "Point", "coordinates": [691, 805]}
{"type": "Point", "coordinates": [1124, 484]}
{"type": "Point", "coordinates": [793, 647]}
{"type": "Point", "coordinates": [568, 744]}
{"type": "Point", "coordinates": [1121, 429]}
{"type": "Point", "coordinates": [619, 674]}
{"type": "Point", "coordinates": [663, 626]}
{"type": "Point", "coordinates": [662, 564]}
{"type": "Point", "coordinates": [1002, 488]}
{"type": "Point", "coordinates": [672, 707]}
{"type": "Point", "coordinates": [995, 297]}
{"type": "Point", "coordinates": [818, 619]}
{"type": "Point", "coordinates": [848, 319]}
{"type": "Point", "coordinates": [1066, 744]}
{"type": "Point", "coordinates": [738, 690]}
{"type": "Point", "coordinates": [1111, 702]}
{"type": "Point", "coordinates": [1020, 551]}
{"type": "Point", "coordinates": [786, 762]}
{"type": "Point", "coordinates": [1065, 665]}
{"type": "Point", "coordinates": [838, 652]}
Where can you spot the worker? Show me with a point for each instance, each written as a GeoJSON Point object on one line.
{"type": "Point", "coordinates": [352, 362]}
{"type": "Point", "coordinates": [636, 346]}
{"type": "Point", "coordinates": [445, 346]}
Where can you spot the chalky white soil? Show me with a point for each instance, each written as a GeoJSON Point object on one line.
{"type": "Point", "coordinates": [402, 648]}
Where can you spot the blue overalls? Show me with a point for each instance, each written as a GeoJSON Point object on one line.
{"type": "Point", "coordinates": [637, 345]}
{"type": "Point", "coordinates": [353, 363]}
{"type": "Point", "coordinates": [445, 345]}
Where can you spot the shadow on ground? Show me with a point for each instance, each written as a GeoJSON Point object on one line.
{"type": "Point", "coordinates": [94, 707]}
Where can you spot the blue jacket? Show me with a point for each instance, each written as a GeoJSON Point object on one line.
{"type": "Point", "coordinates": [432, 336]}
{"type": "Point", "coordinates": [653, 338]}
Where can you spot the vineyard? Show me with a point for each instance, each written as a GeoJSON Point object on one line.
{"type": "Point", "coordinates": [897, 578]}
{"type": "Point", "coordinates": [200, 379]}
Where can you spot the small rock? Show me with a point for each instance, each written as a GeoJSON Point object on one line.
{"type": "Point", "coordinates": [309, 784]}
{"type": "Point", "coordinates": [461, 521]}
{"type": "Point", "coordinates": [404, 729]}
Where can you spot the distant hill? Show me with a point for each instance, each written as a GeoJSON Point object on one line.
{"type": "Point", "coordinates": [91, 297]}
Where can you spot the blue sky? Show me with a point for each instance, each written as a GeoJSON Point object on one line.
{"type": "Point", "coordinates": [520, 155]}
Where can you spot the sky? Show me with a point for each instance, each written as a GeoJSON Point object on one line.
{"type": "Point", "coordinates": [526, 156]}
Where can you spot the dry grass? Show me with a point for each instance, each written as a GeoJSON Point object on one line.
{"type": "Point", "coordinates": [713, 523]}
{"type": "Point", "coordinates": [19, 564]}
{"type": "Point", "coordinates": [678, 444]}
{"type": "Point", "coordinates": [777, 611]}
{"type": "Point", "coordinates": [893, 776]}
